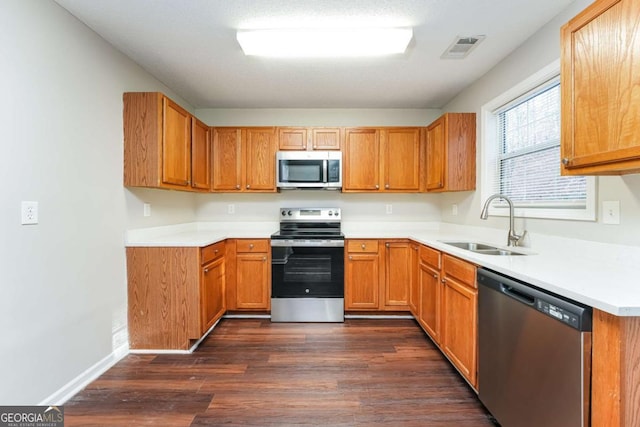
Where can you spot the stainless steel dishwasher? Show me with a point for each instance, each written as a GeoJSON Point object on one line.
{"type": "Point", "coordinates": [534, 354]}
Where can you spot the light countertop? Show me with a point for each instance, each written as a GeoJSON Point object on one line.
{"type": "Point", "coordinates": [604, 276]}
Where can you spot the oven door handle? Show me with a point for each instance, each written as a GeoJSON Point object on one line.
{"type": "Point", "coordinates": [308, 243]}
{"type": "Point", "coordinates": [279, 261]}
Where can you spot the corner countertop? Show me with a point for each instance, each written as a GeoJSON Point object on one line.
{"type": "Point", "coordinates": [603, 276]}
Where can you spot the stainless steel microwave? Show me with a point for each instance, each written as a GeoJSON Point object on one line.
{"type": "Point", "coordinates": [309, 170]}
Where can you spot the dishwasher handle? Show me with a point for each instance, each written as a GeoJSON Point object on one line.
{"type": "Point", "coordinates": [517, 294]}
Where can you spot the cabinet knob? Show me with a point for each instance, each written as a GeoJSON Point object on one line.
{"type": "Point", "coordinates": [237, 186]}
{"type": "Point", "coordinates": [565, 161]}
{"type": "Point", "coordinates": [350, 257]}
{"type": "Point", "coordinates": [264, 258]}
{"type": "Point", "coordinates": [248, 186]}
{"type": "Point", "coordinates": [435, 276]}
{"type": "Point", "coordinates": [387, 244]}
{"type": "Point", "coordinates": [363, 246]}
{"type": "Point", "coordinates": [415, 248]}
{"type": "Point", "coordinates": [377, 186]}
{"type": "Point", "coordinates": [206, 270]}
{"type": "Point", "coordinates": [444, 280]}
{"type": "Point", "coordinates": [386, 186]}
{"type": "Point", "coordinates": [250, 245]}
{"type": "Point", "coordinates": [216, 251]}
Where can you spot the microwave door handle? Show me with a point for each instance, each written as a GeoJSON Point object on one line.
{"type": "Point", "coordinates": [325, 165]}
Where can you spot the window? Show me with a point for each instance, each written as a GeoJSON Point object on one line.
{"type": "Point", "coordinates": [522, 154]}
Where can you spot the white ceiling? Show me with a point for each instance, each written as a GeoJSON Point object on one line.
{"type": "Point", "coordinates": [190, 46]}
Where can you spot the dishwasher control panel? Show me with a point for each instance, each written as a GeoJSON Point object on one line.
{"type": "Point", "coordinates": [558, 313]}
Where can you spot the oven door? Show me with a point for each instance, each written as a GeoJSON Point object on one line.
{"type": "Point", "coordinates": [307, 269]}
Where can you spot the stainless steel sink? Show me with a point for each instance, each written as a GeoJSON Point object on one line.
{"type": "Point", "coordinates": [481, 248]}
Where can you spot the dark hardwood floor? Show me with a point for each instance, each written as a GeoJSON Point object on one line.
{"type": "Point", "coordinates": [252, 372]}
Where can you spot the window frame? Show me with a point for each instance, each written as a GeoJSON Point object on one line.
{"type": "Point", "coordinates": [490, 147]}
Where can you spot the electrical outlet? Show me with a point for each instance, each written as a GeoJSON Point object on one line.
{"type": "Point", "coordinates": [611, 212]}
{"type": "Point", "coordinates": [389, 209]}
{"type": "Point", "coordinates": [231, 209]}
{"type": "Point", "coordinates": [146, 209]}
{"type": "Point", "coordinates": [454, 209]}
{"type": "Point", "coordinates": [29, 213]}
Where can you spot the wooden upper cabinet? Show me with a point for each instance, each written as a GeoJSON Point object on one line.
{"type": "Point", "coordinates": [259, 159]}
{"type": "Point", "coordinates": [227, 160]}
{"type": "Point", "coordinates": [164, 145]}
{"type": "Point", "coordinates": [401, 159]}
{"type": "Point", "coordinates": [243, 160]}
{"type": "Point", "coordinates": [301, 138]}
{"type": "Point", "coordinates": [600, 90]}
{"type": "Point", "coordinates": [451, 153]}
{"type": "Point", "coordinates": [382, 159]}
{"type": "Point", "coordinates": [200, 155]}
{"type": "Point", "coordinates": [361, 171]}
{"type": "Point", "coordinates": [326, 138]}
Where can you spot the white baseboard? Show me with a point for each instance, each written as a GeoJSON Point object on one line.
{"type": "Point", "coordinates": [70, 389]}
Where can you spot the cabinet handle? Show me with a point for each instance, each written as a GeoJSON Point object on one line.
{"type": "Point", "coordinates": [350, 257]}
{"type": "Point", "coordinates": [377, 186]}
{"type": "Point", "coordinates": [206, 270]}
{"type": "Point", "coordinates": [435, 276]}
{"type": "Point", "coordinates": [444, 280]}
{"type": "Point", "coordinates": [250, 245]}
{"type": "Point", "coordinates": [237, 186]}
{"type": "Point", "coordinates": [363, 246]}
{"type": "Point", "coordinates": [386, 186]}
{"type": "Point", "coordinates": [264, 258]}
{"type": "Point", "coordinates": [248, 186]}
{"type": "Point", "coordinates": [216, 251]}
{"type": "Point", "coordinates": [565, 161]}
{"type": "Point", "coordinates": [387, 244]}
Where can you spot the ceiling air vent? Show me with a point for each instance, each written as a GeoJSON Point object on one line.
{"type": "Point", "coordinates": [461, 47]}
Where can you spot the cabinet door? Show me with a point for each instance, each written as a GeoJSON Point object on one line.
{"type": "Point", "coordinates": [401, 159]}
{"type": "Point", "coordinates": [176, 144]}
{"type": "Point", "coordinates": [292, 138]}
{"type": "Point", "coordinates": [326, 138]}
{"type": "Point", "coordinates": [361, 160]}
{"type": "Point", "coordinates": [260, 160]}
{"type": "Point", "coordinates": [362, 282]}
{"type": "Point", "coordinates": [200, 155]}
{"type": "Point", "coordinates": [397, 275]}
{"type": "Point", "coordinates": [430, 294]}
{"type": "Point", "coordinates": [436, 154]}
{"type": "Point", "coordinates": [414, 283]}
{"type": "Point", "coordinates": [226, 159]}
{"type": "Point", "coordinates": [459, 326]}
{"type": "Point", "coordinates": [252, 281]}
{"type": "Point", "coordinates": [600, 96]}
{"type": "Point", "coordinates": [212, 304]}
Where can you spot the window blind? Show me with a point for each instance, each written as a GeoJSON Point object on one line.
{"type": "Point", "coordinates": [528, 155]}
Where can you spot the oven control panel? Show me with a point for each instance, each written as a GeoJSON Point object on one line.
{"type": "Point", "coordinates": [310, 214]}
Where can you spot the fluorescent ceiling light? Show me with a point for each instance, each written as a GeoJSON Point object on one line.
{"type": "Point", "coordinates": [337, 42]}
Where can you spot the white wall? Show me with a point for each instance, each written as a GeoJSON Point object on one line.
{"type": "Point", "coordinates": [63, 281]}
{"type": "Point", "coordinates": [540, 50]}
{"type": "Point", "coordinates": [361, 207]}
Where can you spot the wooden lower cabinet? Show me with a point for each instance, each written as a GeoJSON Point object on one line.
{"type": "Point", "coordinates": [448, 308]}
{"type": "Point", "coordinates": [172, 300]}
{"type": "Point", "coordinates": [430, 297]}
{"type": "Point", "coordinates": [414, 282]}
{"type": "Point", "coordinates": [249, 274]}
{"type": "Point", "coordinates": [362, 275]}
{"type": "Point", "coordinates": [212, 288]}
{"type": "Point", "coordinates": [377, 274]}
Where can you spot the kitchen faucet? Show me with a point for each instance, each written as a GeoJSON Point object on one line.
{"type": "Point", "coordinates": [513, 239]}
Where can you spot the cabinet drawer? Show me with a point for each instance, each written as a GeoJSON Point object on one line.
{"type": "Point", "coordinates": [211, 252]}
{"type": "Point", "coordinates": [362, 246]}
{"type": "Point", "coordinates": [461, 270]}
{"type": "Point", "coordinates": [430, 256]}
{"type": "Point", "coordinates": [252, 245]}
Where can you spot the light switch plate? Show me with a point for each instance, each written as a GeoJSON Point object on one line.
{"type": "Point", "coordinates": [611, 212]}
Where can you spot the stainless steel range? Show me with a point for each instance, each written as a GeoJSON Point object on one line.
{"type": "Point", "coordinates": [307, 271]}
